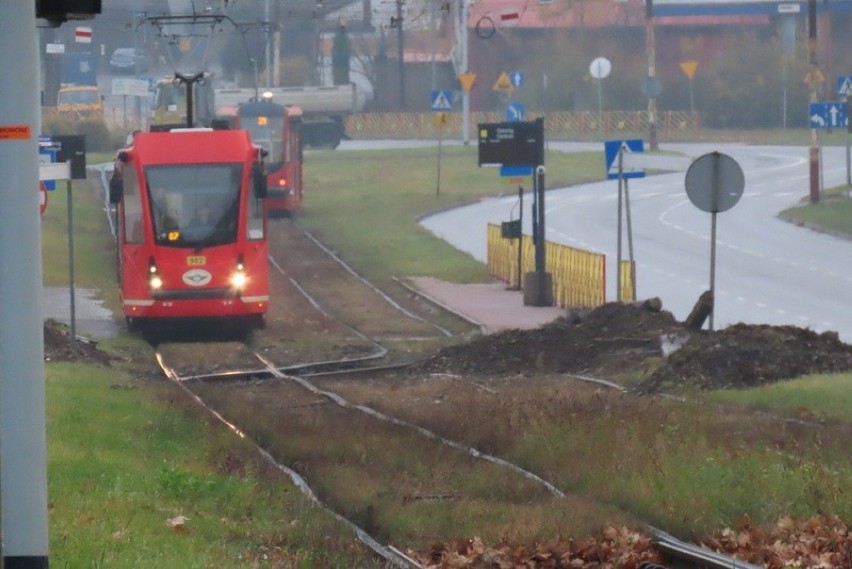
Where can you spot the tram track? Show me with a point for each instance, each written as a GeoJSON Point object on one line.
{"type": "Point", "coordinates": [676, 553]}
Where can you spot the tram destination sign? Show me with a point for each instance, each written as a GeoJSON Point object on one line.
{"type": "Point", "coordinates": [516, 143]}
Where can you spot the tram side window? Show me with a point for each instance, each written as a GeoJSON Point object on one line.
{"type": "Point", "coordinates": [133, 228]}
{"type": "Point", "coordinates": [254, 227]}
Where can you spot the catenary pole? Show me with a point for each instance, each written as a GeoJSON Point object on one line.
{"type": "Point", "coordinates": [23, 452]}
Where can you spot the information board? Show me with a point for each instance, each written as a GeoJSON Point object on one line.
{"type": "Point", "coordinates": [517, 143]}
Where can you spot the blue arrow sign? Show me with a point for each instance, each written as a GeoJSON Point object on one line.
{"type": "Point", "coordinates": [827, 114]}
{"type": "Point", "coordinates": [515, 112]}
{"type": "Point", "coordinates": [611, 149]}
{"type": "Point", "coordinates": [442, 100]}
{"type": "Point", "coordinates": [517, 78]}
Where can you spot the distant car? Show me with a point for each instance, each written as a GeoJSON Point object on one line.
{"type": "Point", "coordinates": [128, 60]}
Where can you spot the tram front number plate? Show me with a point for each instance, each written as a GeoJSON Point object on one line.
{"type": "Point", "coordinates": [196, 260]}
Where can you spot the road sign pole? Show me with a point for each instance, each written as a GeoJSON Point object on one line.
{"type": "Point", "coordinates": [630, 239]}
{"type": "Point", "coordinates": [618, 247]}
{"type": "Point", "coordinates": [712, 268]}
{"type": "Point", "coordinates": [71, 267]}
{"type": "Point", "coordinates": [848, 157]}
{"type": "Point", "coordinates": [521, 235]}
{"type": "Point", "coordinates": [440, 140]}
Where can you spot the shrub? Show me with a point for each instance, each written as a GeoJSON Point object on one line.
{"type": "Point", "coordinates": [99, 138]}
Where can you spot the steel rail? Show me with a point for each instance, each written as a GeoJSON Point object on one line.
{"type": "Point", "coordinates": [390, 554]}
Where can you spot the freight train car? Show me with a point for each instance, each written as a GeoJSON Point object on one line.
{"type": "Point", "coordinates": [191, 228]}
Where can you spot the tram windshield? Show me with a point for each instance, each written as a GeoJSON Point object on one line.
{"type": "Point", "coordinates": [267, 132]}
{"type": "Point", "coordinates": [194, 205]}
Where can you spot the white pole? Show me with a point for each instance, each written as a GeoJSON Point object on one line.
{"type": "Point", "coordinates": [23, 452]}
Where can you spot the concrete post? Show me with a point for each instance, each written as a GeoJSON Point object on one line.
{"type": "Point", "coordinates": [23, 452]}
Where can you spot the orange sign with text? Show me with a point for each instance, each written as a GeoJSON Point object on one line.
{"type": "Point", "coordinates": [15, 132]}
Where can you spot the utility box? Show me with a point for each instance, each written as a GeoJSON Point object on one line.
{"type": "Point", "coordinates": [511, 229]}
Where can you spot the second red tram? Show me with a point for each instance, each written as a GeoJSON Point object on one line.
{"type": "Point", "coordinates": [191, 227]}
{"type": "Point", "coordinates": [278, 130]}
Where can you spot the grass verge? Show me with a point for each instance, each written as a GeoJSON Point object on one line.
{"type": "Point", "coordinates": [369, 215]}
{"type": "Point", "coordinates": [135, 482]}
{"type": "Point", "coordinates": [833, 213]}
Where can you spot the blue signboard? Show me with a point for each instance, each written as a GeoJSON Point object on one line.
{"type": "Point", "coordinates": [611, 150]}
{"type": "Point", "coordinates": [516, 171]}
{"type": "Point", "coordinates": [518, 79]}
{"type": "Point", "coordinates": [515, 112]}
{"type": "Point", "coordinates": [827, 114]}
{"type": "Point", "coordinates": [442, 100]}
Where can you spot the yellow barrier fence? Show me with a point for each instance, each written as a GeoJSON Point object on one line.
{"type": "Point", "coordinates": [579, 277]}
{"type": "Point", "coordinates": [556, 124]}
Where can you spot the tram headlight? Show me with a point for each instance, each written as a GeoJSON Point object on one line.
{"type": "Point", "coordinates": [239, 280]}
{"type": "Point", "coordinates": [154, 280]}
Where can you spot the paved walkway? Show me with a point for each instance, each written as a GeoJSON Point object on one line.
{"type": "Point", "coordinates": [492, 306]}
{"type": "Point", "coordinates": [91, 318]}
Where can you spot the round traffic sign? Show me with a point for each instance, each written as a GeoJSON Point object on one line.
{"type": "Point", "coordinates": [714, 182]}
{"type": "Point", "coordinates": [600, 68]}
{"type": "Point", "coordinates": [42, 197]}
{"type": "Point", "coordinates": [651, 87]}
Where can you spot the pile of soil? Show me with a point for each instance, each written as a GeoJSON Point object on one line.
{"type": "Point", "coordinates": [751, 355]}
{"type": "Point", "coordinates": [616, 339]}
{"type": "Point", "coordinates": [58, 346]}
{"type": "Point", "coordinates": [610, 336]}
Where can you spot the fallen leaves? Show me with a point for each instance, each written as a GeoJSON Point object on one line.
{"type": "Point", "coordinates": [616, 547]}
{"type": "Point", "coordinates": [820, 542]}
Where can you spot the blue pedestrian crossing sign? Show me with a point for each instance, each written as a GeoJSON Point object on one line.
{"type": "Point", "coordinates": [827, 114]}
{"type": "Point", "coordinates": [844, 86]}
{"type": "Point", "coordinates": [442, 100]}
{"type": "Point", "coordinates": [611, 150]}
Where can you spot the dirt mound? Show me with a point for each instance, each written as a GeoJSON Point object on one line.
{"type": "Point", "coordinates": [609, 337]}
{"type": "Point", "coordinates": [751, 355]}
{"type": "Point", "coordinates": [58, 346]}
{"type": "Point", "coordinates": [617, 339]}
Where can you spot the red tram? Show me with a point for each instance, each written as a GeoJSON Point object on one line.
{"type": "Point", "coordinates": [191, 229]}
{"type": "Point", "coordinates": [278, 130]}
